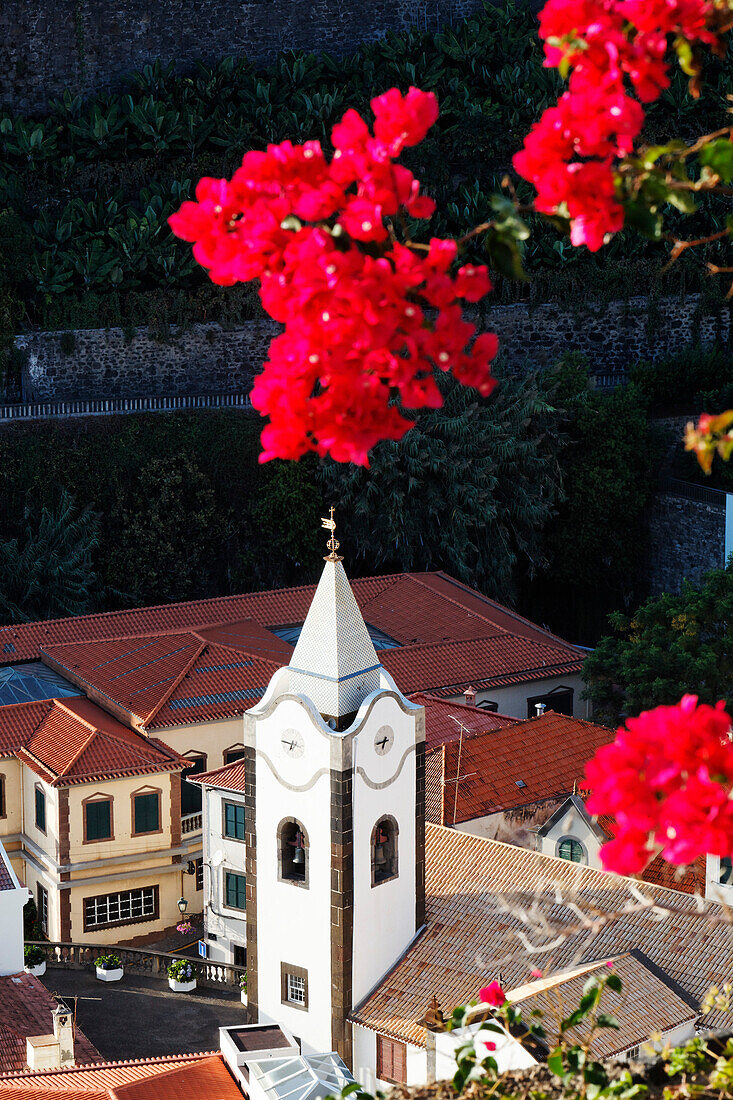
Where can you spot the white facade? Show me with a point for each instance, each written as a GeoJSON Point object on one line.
{"type": "Point", "coordinates": [226, 927]}
{"type": "Point", "coordinates": [571, 821]}
{"type": "Point", "coordinates": [13, 897]}
{"type": "Point", "coordinates": [513, 699]}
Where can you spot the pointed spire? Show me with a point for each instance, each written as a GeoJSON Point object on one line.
{"type": "Point", "coordinates": [334, 662]}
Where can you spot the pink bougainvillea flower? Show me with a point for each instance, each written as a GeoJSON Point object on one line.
{"type": "Point", "coordinates": [667, 780]}
{"type": "Point", "coordinates": [492, 994]}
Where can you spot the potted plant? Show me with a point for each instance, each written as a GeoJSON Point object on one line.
{"type": "Point", "coordinates": [34, 960]}
{"type": "Point", "coordinates": [184, 926]}
{"type": "Point", "coordinates": [182, 976]}
{"type": "Point", "coordinates": [243, 988]}
{"type": "Point", "coordinates": [109, 968]}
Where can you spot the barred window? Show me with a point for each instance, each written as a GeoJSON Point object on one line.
{"type": "Point", "coordinates": [296, 989]}
{"type": "Point", "coordinates": [42, 894]}
{"type": "Point", "coordinates": [199, 874]}
{"type": "Point", "coordinates": [126, 907]}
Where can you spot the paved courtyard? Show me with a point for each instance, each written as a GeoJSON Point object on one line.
{"type": "Point", "coordinates": [140, 1017]}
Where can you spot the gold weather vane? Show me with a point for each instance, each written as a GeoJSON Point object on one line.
{"type": "Point", "coordinates": [333, 543]}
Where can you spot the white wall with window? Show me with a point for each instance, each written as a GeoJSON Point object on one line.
{"type": "Point", "coordinates": [719, 879]}
{"type": "Point", "coordinates": [223, 877]}
{"type": "Point", "coordinates": [515, 699]}
{"type": "Point", "coordinates": [13, 897]}
{"type": "Point", "coordinates": [570, 833]}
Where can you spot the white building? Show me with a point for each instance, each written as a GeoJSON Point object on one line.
{"type": "Point", "coordinates": [13, 897]}
{"type": "Point", "coordinates": [354, 917]}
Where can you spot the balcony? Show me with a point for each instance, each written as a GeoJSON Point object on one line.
{"type": "Point", "coordinates": [191, 823]}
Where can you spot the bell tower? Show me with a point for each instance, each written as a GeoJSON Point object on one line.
{"type": "Point", "coordinates": [335, 824]}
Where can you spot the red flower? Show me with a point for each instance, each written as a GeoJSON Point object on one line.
{"type": "Point", "coordinates": [492, 994]}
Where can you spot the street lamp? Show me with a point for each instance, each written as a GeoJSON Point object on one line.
{"type": "Point", "coordinates": [182, 905]}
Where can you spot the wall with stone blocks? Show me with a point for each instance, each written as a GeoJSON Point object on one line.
{"type": "Point", "coordinates": [686, 539]}
{"type": "Point", "coordinates": [208, 359]}
{"type": "Point", "coordinates": [88, 45]}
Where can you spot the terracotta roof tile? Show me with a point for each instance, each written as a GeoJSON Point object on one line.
{"type": "Point", "coordinates": [79, 742]}
{"type": "Point", "coordinates": [546, 755]}
{"type": "Point", "coordinates": [17, 723]}
{"type": "Point", "coordinates": [220, 683]}
{"type": "Point", "coordinates": [443, 719]}
{"type": "Point", "coordinates": [26, 1007]}
{"type": "Point", "coordinates": [481, 895]}
{"type": "Point", "coordinates": [231, 777]}
{"type": "Point", "coordinates": [176, 1077]}
{"type": "Point", "coordinates": [646, 1004]}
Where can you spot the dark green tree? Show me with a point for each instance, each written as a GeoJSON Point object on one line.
{"type": "Point", "coordinates": [468, 489]}
{"type": "Point", "coordinates": [49, 573]}
{"type": "Point", "coordinates": [595, 544]}
{"type": "Point", "coordinates": [168, 534]}
{"type": "Point", "coordinates": [671, 646]}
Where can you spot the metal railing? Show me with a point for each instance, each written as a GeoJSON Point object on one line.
{"type": "Point", "coordinates": [191, 823]}
{"type": "Point", "coordinates": [136, 960]}
{"type": "Point", "coordinates": [688, 490]}
{"type": "Point", "coordinates": [107, 406]}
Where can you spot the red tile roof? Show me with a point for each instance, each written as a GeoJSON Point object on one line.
{"type": "Point", "coordinates": [176, 1077]}
{"type": "Point", "coordinates": [78, 742]}
{"type": "Point", "coordinates": [17, 723]}
{"type": "Point", "coordinates": [231, 777]}
{"type": "Point", "coordinates": [546, 755]}
{"type": "Point", "coordinates": [449, 635]}
{"type": "Point", "coordinates": [494, 907]}
{"type": "Point", "coordinates": [443, 719]}
{"type": "Point", "coordinates": [25, 1009]}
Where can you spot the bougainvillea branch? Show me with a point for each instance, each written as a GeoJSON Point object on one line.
{"type": "Point", "coordinates": [368, 319]}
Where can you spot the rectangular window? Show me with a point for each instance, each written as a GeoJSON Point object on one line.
{"type": "Point", "coordinates": [127, 907]}
{"type": "Point", "coordinates": [233, 754]}
{"type": "Point", "coordinates": [191, 799]}
{"type": "Point", "coordinates": [294, 986]}
{"type": "Point", "coordinates": [42, 903]}
{"type": "Point", "coordinates": [235, 890]}
{"type": "Point", "coordinates": [98, 820]}
{"type": "Point", "coordinates": [3, 811]}
{"type": "Point", "coordinates": [391, 1060]}
{"type": "Point", "coordinates": [234, 820]}
{"type": "Point", "coordinates": [199, 874]}
{"type": "Point", "coordinates": [146, 813]}
{"type": "Point", "coordinates": [40, 810]}
{"type": "Point", "coordinates": [296, 989]}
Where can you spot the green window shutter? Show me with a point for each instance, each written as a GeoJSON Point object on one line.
{"type": "Point", "coordinates": [147, 816]}
{"type": "Point", "coordinates": [234, 821]}
{"type": "Point", "coordinates": [235, 890]}
{"type": "Point", "coordinates": [99, 820]}
{"type": "Point", "coordinates": [40, 809]}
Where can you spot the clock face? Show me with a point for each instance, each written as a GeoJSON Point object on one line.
{"type": "Point", "coordinates": [292, 743]}
{"type": "Point", "coordinates": [383, 740]}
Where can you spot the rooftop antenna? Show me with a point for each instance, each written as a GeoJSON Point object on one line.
{"type": "Point", "coordinates": [333, 543]}
{"type": "Point", "coordinates": [458, 777]}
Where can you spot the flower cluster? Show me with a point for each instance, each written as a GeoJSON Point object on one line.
{"type": "Point", "coordinates": [368, 320]}
{"type": "Point", "coordinates": [184, 927]}
{"type": "Point", "coordinates": [712, 435]}
{"type": "Point", "coordinates": [667, 781]}
{"type": "Point", "coordinates": [612, 48]}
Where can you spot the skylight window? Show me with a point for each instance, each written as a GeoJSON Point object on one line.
{"type": "Point", "coordinates": [31, 682]}
{"type": "Point", "coordinates": [380, 640]}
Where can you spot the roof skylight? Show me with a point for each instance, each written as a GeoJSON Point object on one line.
{"type": "Point", "coordinates": [31, 682]}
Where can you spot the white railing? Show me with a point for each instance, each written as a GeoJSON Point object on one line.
{"type": "Point", "coordinates": [106, 406]}
{"type": "Point", "coordinates": [191, 823]}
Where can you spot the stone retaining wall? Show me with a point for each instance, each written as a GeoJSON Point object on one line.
{"type": "Point", "coordinates": [89, 45]}
{"type": "Point", "coordinates": [94, 363]}
{"type": "Point", "coordinates": [686, 540]}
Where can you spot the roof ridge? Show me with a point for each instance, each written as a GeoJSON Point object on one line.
{"type": "Point", "coordinates": [450, 599]}
{"type": "Point", "coordinates": [178, 679]}
{"type": "Point", "coordinates": [505, 609]}
{"type": "Point", "coordinates": [157, 1059]}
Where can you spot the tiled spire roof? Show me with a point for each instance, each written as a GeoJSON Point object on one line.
{"type": "Point", "coordinates": [334, 663]}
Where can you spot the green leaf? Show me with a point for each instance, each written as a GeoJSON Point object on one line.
{"type": "Point", "coordinates": [555, 1062]}
{"type": "Point", "coordinates": [614, 982]}
{"type": "Point", "coordinates": [718, 155]}
{"type": "Point", "coordinates": [604, 1019]}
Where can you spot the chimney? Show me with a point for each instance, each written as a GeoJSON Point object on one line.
{"type": "Point", "coordinates": [44, 1052]}
{"type": "Point", "coordinates": [63, 1029]}
{"type": "Point", "coordinates": [470, 696]}
{"type": "Point", "coordinates": [539, 709]}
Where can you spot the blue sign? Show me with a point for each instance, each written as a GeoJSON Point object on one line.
{"type": "Point", "coordinates": [203, 949]}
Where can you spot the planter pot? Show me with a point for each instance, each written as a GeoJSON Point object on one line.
{"type": "Point", "coordinates": [37, 970]}
{"type": "Point", "coordinates": [109, 975]}
{"type": "Point", "coordinates": [182, 987]}
{"type": "Point", "coordinates": [243, 996]}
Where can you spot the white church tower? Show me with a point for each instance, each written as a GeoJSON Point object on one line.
{"type": "Point", "coordinates": [335, 824]}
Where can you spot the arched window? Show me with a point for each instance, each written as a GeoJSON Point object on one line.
{"type": "Point", "coordinates": [292, 852]}
{"type": "Point", "coordinates": [572, 849]}
{"type": "Point", "coordinates": [384, 850]}
{"type": "Point", "coordinates": [726, 871]}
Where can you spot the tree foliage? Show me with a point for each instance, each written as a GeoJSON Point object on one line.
{"type": "Point", "coordinates": [672, 645]}
{"type": "Point", "coordinates": [468, 489]}
{"type": "Point", "coordinates": [48, 573]}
